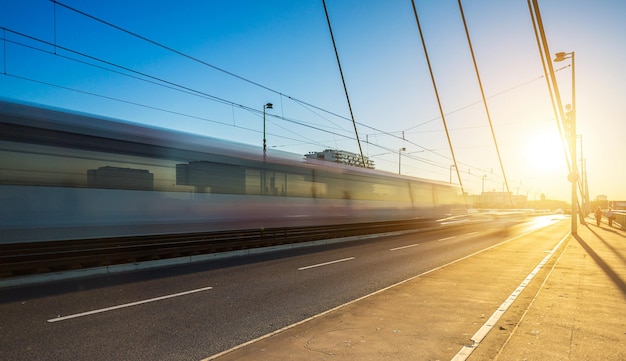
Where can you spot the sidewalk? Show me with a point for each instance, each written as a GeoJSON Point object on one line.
{"type": "Point", "coordinates": [580, 312]}
{"type": "Point", "coordinates": [577, 313]}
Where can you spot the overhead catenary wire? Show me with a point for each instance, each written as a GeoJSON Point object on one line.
{"type": "Point", "coordinates": [195, 59]}
{"type": "Point", "coordinates": [202, 62]}
{"type": "Point", "coordinates": [186, 115]}
{"type": "Point", "coordinates": [175, 86]}
{"type": "Point", "coordinates": [470, 104]}
{"type": "Point", "coordinates": [124, 71]}
{"type": "Point", "coordinates": [157, 81]}
{"type": "Point", "coordinates": [145, 75]}
{"type": "Point", "coordinates": [4, 53]}
{"type": "Point", "coordinates": [142, 77]}
{"type": "Point", "coordinates": [172, 86]}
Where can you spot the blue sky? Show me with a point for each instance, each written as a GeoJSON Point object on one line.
{"type": "Point", "coordinates": [281, 51]}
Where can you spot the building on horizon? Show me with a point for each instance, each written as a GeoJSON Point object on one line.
{"type": "Point", "coordinates": [341, 157]}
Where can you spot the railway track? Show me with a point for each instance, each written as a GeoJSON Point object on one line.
{"type": "Point", "coordinates": [20, 259]}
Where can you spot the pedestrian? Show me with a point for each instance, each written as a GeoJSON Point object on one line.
{"type": "Point", "coordinates": [598, 214]}
{"type": "Point", "coordinates": [610, 216]}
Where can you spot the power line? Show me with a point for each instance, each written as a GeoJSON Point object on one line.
{"type": "Point", "coordinates": [176, 87]}
{"type": "Point", "coordinates": [151, 79]}
{"type": "Point", "coordinates": [192, 58]}
{"type": "Point", "coordinates": [126, 71]}
{"type": "Point", "coordinates": [202, 62]}
{"type": "Point", "coordinates": [147, 106]}
{"type": "Point", "coordinates": [167, 84]}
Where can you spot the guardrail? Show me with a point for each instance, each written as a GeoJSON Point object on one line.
{"type": "Point", "coordinates": [620, 220]}
{"type": "Point", "coordinates": [44, 257]}
{"type": "Point", "coordinates": [20, 259]}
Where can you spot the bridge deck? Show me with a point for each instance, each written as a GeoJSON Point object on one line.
{"type": "Point", "coordinates": [538, 297]}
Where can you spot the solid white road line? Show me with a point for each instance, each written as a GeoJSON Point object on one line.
{"type": "Point", "coordinates": [325, 263]}
{"type": "Point", "coordinates": [403, 247]}
{"type": "Point", "coordinates": [319, 315]}
{"type": "Point", "coordinates": [466, 351]}
{"type": "Point", "coordinates": [127, 305]}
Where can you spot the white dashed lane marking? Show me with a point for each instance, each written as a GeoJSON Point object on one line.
{"type": "Point", "coordinates": [127, 305]}
{"type": "Point", "coordinates": [325, 263]}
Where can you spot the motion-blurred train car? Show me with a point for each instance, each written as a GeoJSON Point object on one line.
{"type": "Point", "coordinates": [74, 176]}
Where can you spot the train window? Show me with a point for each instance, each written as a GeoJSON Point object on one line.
{"type": "Point", "coordinates": [253, 181]}
{"type": "Point", "coordinates": [138, 166]}
{"type": "Point", "coordinates": [298, 186]}
{"type": "Point", "coordinates": [391, 190]}
{"type": "Point", "coordinates": [265, 182]}
{"type": "Point", "coordinates": [336, 187]}
{"type": "Point", "coordinates": [363, 187]}
{"type": "Point", "coordinates": [31, 164]}
{"type": "Point", "coordinates": [272, 182]}
{"type": "Point", "coordinates": [445, 196]}
{"type": "Point", "coordinates": [212, 177]}
{"type": "Point", "coordinates": [422, 195]}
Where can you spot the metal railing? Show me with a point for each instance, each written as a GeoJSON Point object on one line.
{"type": "Point", "coordinates": [620, 219]}
{"type": "Point", "coordinates": [44, 257]}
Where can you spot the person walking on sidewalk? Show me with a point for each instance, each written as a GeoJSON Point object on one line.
{"type": "Point", "coordinates": [598, 214]}
{"type": "Point", "coordinates": [610, 216]}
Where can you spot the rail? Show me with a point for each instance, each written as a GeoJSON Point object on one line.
{"type": "Point", "coordinates": [43, 257]}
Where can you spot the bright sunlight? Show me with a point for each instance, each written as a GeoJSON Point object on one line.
{"type": "Point", "coordinates": [543, 152]}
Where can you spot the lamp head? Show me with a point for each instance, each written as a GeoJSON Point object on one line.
{"type": "Point", "coordinates": [269, 106]}
{"type": "Point", "coordinates": [561, 56]}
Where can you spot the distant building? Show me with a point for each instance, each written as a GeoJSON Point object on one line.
{"type": "Point", "coordinates": [619, 205]}
{"type": "Point", "coordinates": [499, 200]}
{"type": "Point", "coordinates": [212, 177]}
{"type": "Point", "coordinates": [342, 157]}
{"type": "Point", "coordinates": [601, 201]}
{"type": "Point", "coordinates": [120, 178]}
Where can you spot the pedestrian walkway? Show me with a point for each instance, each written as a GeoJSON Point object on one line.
{"type": "Point", "coordinates": [573, 309]}
{"type": "Point", "coordinates": [580, 312]}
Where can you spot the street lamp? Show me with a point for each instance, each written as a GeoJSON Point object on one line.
{"type": "Point", "coordinates": [570, 129]}
{"type": "Point", "coordinates": [266, 106]}
{"type": "Point", "coordinates": [400, 159]}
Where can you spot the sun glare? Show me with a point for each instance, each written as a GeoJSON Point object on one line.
{"type": "Point", "coordinates": [543, 152]}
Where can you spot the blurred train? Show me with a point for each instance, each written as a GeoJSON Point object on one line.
{"type": "Point", "coordinates": [73, 176]}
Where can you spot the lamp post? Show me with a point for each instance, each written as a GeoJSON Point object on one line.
{"type": "Point", "coordinates": [451, 166]}
{"type": "Point", "coordinates": [584, 201]}
{"type": "Point", "coordinates": [266, 106]}
{"type": "Point", "coordinates": [400, 159]}
{"type": "Point", "coordinates": [484, 176]}
{"type": "Point", "coordinates": [570, 128]}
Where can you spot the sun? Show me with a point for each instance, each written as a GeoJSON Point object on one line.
{"type": "Point", "coordinates": [543, 151]}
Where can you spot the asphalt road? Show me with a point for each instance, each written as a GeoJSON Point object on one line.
{"type": "Point", "coordinates": [192, 312]}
